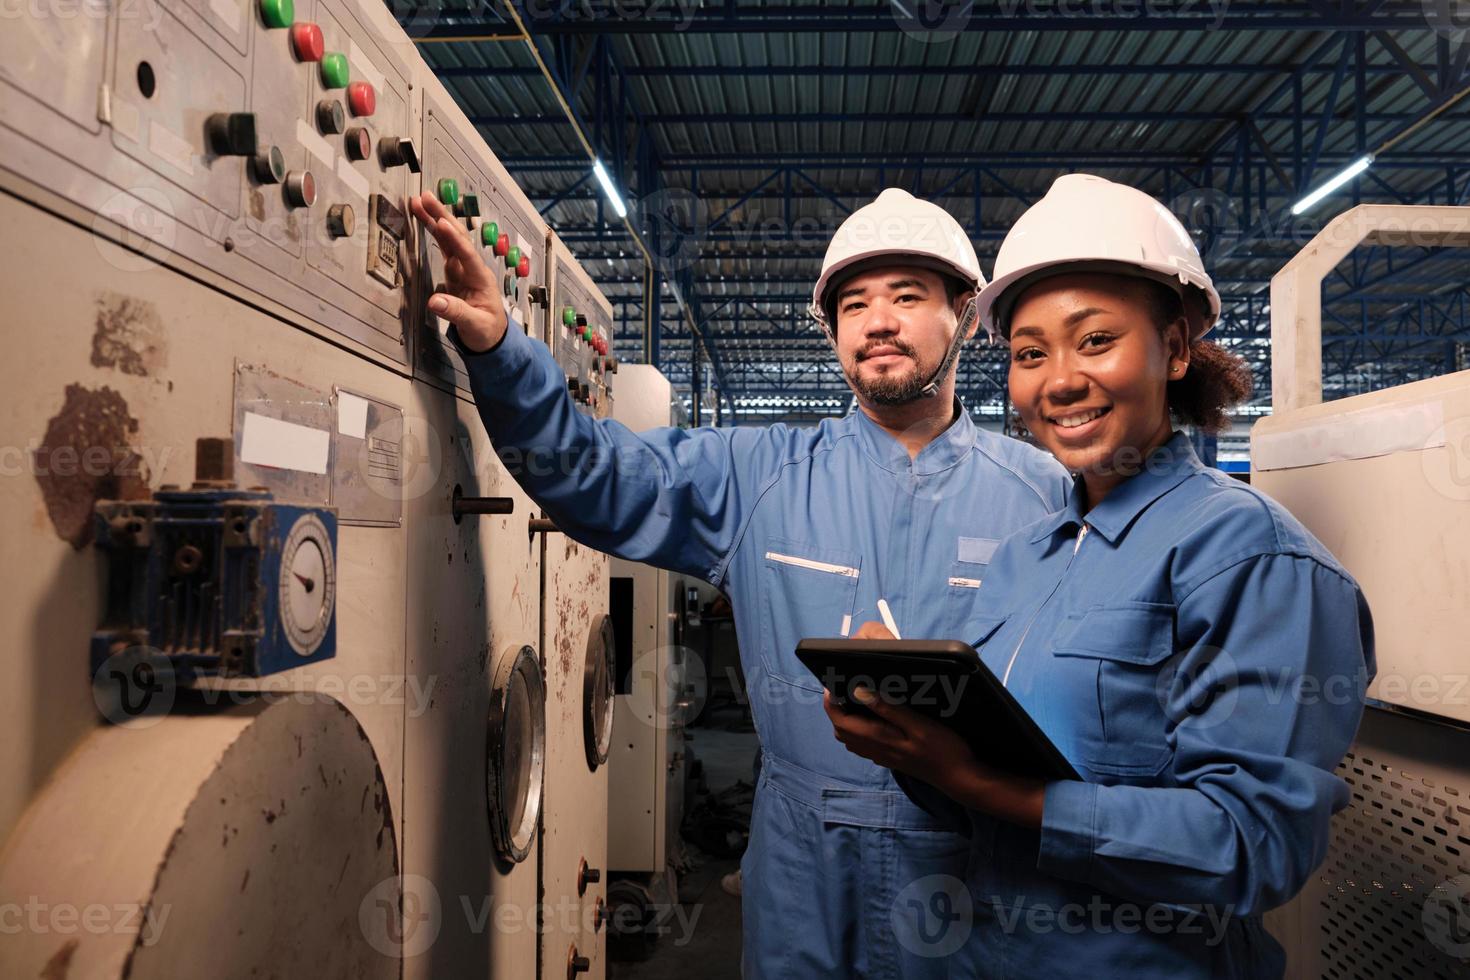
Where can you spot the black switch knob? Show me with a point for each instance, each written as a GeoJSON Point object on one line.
{"type": "Point", "coordinates": [398, 151]}
{"type": "Point", "coordinates": [468, 206]}
{"type": "Point", "coordinates": [231, 134]}
{"type": "Point", "coordinates": [538, 296]}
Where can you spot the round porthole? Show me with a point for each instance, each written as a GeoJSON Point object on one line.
{"type": "Point", "coordinates": [597, 692]}
{"type": "Point", "coordinates": [515, 752]}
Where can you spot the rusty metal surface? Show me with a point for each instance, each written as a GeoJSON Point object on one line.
{"type": "Point", "coordinates": [574, 815]}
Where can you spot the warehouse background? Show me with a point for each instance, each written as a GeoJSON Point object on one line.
{"type": "Point", "coordinates": [740, 135]}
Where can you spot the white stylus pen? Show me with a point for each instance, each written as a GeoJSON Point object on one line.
{"type": "Point", "coordinates": [887, 615]}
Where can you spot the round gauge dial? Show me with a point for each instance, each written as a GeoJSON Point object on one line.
{"type": "Point", "coordinates": [308, 584]}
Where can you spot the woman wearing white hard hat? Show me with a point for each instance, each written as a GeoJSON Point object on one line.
{"type": "Point", "coordinates": [1162, 630]}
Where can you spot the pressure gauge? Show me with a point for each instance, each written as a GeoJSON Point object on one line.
{"type": "Point", "coordinates": [308, 584]}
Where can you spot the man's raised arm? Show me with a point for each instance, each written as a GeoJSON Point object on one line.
{"type": "Point", "coordinates": [670, 497]}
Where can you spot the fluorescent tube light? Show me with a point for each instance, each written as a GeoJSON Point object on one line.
{"type": "Point", "coordinates": [1352, 170]}
{"type": "Point", "coordinates": [613, 196]}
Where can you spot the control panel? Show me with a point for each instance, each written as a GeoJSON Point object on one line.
{"type": "Point", "coordinates": [500, 220]}
{"type": "Point", "coordinates": [581, 332]}
{"type": "Point", "coordinates": [271, 142]}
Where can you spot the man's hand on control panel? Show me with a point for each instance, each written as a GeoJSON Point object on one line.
{"type": "Point", "coordinates": [471, 295]}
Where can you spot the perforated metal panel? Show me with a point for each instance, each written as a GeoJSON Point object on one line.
{"type": "Point", "coordinates": [1392, 899]}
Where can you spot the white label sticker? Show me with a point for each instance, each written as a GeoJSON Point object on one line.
{"type": "Point", "coordinates": [227, 11]}
{"type": "Point", "coordinates": [363, 67]}
{"type": "Point", "coordinates": [284, 445]}
{"type": "Point", "coordinates": [314, 143]}
{"type": "Point", "coordinates": [124, 118]}
{"type": "Point", "coordinates": [170, 147]}
{"type": "Point", "coordinates": [355, 181]}
{"type": "Point", "coordinates": [352, 412]}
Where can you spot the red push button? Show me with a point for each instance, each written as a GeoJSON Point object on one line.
{"type": "Point", "coordinates": [307, 42]}
{"type": "Point", "coordinates": [502, 244]}
{"type": "Point", "coordinates": [361, 98]}
{"type": "Point", "coordinates": [523, 267]}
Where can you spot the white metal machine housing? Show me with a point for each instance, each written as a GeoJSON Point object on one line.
{"type": "Point", "coordinates": [1383, 479]}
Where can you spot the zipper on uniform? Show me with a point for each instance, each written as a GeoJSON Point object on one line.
{"type": "Point", "coordinates": [816, 566]}
{"type": "Point", "coordinates": [1005, 679]}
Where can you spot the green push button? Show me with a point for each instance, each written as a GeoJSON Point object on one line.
{"type": "Point", "coordinates": [569, 317]}
{"type": "Point", "coordinates": [335, 73]}
{"type": "Point", "coordinates": [587, 334]}
{"type": "Point", "coordinates": [489, 234]}
{"type": "Point", "coordinates": [513, 256]}
{"type": "Point", "coordinates": [448, 191]}
{"type": "Point", "coordinates": [277, 14]}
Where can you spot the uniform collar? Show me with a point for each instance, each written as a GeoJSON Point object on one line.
{"type": "Point", "coordinates": [1166, 467]}
{"type": "Point", "coordinates": [946, 449]}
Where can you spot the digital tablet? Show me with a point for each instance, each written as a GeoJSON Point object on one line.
{"type": "Point", "coordinates": [946, 680]}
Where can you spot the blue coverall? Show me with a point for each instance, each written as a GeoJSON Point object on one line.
{"type": "Point", "coordinates": [805, 530]}
{"type": "Point", "coordinates": [1201, 660]}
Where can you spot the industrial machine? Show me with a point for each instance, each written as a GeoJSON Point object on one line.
{"type": "Point", "coordinates": [576, 636]}
{"type": "Point", "coordinates": [647, 763]}
{"type": "Point", "coordinates": [286, 685]}
{"type": "Point", "coordinates": [1383, 480]}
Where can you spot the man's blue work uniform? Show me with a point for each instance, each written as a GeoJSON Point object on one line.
{"type": "Point", "coordinates": [805, 529]}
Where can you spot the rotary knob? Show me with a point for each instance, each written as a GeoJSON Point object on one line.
{"type": "Point", "coordinates": [231, 134]}
{"type": "Point", "coordinates": [398, 151]}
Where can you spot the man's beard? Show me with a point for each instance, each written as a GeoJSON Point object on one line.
{"type": "Point", "coordinates": [890, 388]}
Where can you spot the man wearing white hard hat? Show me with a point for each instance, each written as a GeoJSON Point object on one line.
{"type": "Point", "coordinates": [1171, 630]}
{"type": "Point", "coordinates": [893, 511]}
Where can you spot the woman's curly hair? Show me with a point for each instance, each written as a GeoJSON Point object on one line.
{"type": "Point", "coordinates": [1216, 381]}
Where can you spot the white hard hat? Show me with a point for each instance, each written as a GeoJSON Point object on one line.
{"type": "Point", "coordinates": [900, 229]}
{"type": "Point", "coordinates": [1088, 222]}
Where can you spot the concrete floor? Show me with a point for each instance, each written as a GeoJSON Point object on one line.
{"type": "Point", "coordinates": [704, 940]}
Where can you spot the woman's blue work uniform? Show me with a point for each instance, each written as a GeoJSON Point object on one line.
{"type": "Point", "coordinates": [1201, 660]}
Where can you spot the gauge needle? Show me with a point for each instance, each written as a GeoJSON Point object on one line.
{"type": "Point", "coordinates": [308, 583]}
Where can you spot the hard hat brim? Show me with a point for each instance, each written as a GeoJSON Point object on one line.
{"type": "Point", "coordinates": [999, 298]}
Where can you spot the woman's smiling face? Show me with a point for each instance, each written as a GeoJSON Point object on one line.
{"type": "Point", "coordinates": [1089, 372]}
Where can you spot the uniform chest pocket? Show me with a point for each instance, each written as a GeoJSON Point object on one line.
{"type": "Point", "coordinates": [1113, 656]}
{"type": "Point", "coordinates": [805, 591]}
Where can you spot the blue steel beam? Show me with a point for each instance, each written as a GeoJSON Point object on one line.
{"type": "Point", "coordinates": [963, 118]}
{"type": "Point", "coordinates": [1159, 15]}
{"type": "Point", "coordinates": [717, 70]}
{"type": "Point", "coordinates": [1255, 166]}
